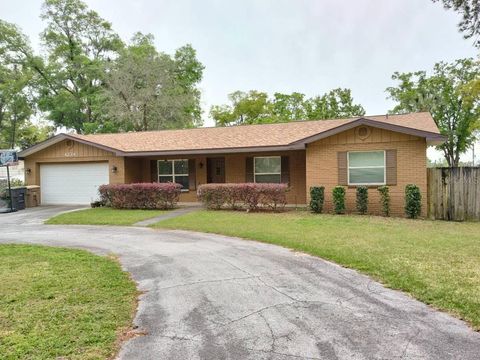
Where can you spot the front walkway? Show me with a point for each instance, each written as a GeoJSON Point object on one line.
{"type": "Point", "coordinates": [170, 214]}
{"type": "Point", "coordinates": [216, 297]}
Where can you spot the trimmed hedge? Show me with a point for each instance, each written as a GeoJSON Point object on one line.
{"type": "Point", "coordinates": [362, 200]}
{"type": "Point", "coordinates": [140, 196]}
{"type": "Point", "coordinates": [385, 199]}
{"type": "Point", "coordinates": [338, 194]}
{"type": "Point", "coordinates": [317, 198]}
{"type": "Point", "coordinates": [250, 196]}
{"type": "Point", "coordinates": [413, 201]}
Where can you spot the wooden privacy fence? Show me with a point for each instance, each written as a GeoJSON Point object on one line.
{"type": "Point", "coordinates": [454, 193]}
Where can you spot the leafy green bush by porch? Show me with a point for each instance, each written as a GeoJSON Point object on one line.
{"type": "Point", "coordinates": [62, 304]}
{"type": "Point", "coordinates": [140, 196]}
{"type": "Point", "coordinates": [413, 201]}
{"type": "Point", "coordinates": [384, 199]}
{"type": "Point", "coordinates": [338, 193]}
{"type": "Point", "coordinates": [250, 196]}
{"type": "Point", "coordinates": [317, 198]}
{"type": "Point", "coordinates": [362, 199]}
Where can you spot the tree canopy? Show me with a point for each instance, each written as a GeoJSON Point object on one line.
{"type": "Point", "coordinates": [448, 95]}
{"type": "Point", "coordinates": [470, 12]}
{"type": "Point", "coordinates": [256, 107]}
{"type": "Point", "coordinates": [149, 90]}
{"type": "Point", "coordinates": [77, 81]}
{"type": "Point", "coordinates": [17, 100]}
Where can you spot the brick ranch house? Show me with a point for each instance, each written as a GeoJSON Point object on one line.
{"type": "Point", "coordinates": [373, 151]}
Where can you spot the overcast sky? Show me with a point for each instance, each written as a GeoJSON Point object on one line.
{"type": "Point", "coordinates": [309, 46]}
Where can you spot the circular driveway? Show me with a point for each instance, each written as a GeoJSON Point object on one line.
{"type": "Point", "coordinates": [215, 297]}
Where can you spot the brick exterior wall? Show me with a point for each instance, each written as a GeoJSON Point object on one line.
{"type": "Point", "coordinates": [235, 172]}
{"type": "Point", "coordinates": [317, 165]}
{"type": "Point", "coordinates": [321, 160]}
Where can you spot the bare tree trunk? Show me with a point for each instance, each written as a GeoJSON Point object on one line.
{"type": "Point", "coordinates": [145, 124]}
{"type": "Point", "coordinates": [14, 126]}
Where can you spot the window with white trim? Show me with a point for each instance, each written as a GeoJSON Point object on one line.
{"type": "Point", "coordinates": [366, 168]}
{"type": "Point", "coordinates": [175, 171]}
{"type": "Point", "coordinates": [267, 169]}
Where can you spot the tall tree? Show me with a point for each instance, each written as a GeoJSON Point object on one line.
{"type": "Point", "coordinates": [79, 44]}
{"type": "Point", "coordinates": [256, 107]}
{"type": "Point", "coordinates": [149, 90]}
{"type": "Point", "coordinates": [337, 103]}
{"type": "Point", "coordinates": [188, 74]}
{"type": "Point", "coordinates": [246, 108]}
{"type": "Point", "coordinates": [30, 133]}
{"type": "Point", "coordinates": [16, 101]}
{"type": "Point", "coordinates": [470, 12]}
{"type": "Point", "coordinates": [448, 96]}
{"type": "Point", "coordinates": [289, 107]}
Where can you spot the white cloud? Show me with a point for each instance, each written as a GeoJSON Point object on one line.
{"type": "Point", "coordinates": [308, 46]}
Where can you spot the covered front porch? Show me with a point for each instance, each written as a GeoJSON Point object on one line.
{"type": "Point", "coordinates": [194, 170]}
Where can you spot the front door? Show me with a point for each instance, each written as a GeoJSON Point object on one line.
{"type": "Point", "coordinates": [216, 170]}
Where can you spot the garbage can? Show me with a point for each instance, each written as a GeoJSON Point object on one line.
{"type": "Point", "coordinates": [18, 197]}
{"type": "Point", "coordinates": [33, 196]}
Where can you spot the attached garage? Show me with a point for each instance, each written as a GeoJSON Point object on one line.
{"type": "Point", "coordinates": [69, 168]}
{"type": "Point", "coordinates": [72, 183]}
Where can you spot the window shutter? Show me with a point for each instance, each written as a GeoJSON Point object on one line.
{"type": "Point", "coordinates": [192, 171]}
{"type": "Point", "coordinates": [342, 168]}
{"type": "Point", "coordinates": [249, 170]}
{"type": "Point", "coordinates": [391, 167]}
{"type": "Point", "coordinates": [153, 171]}
{"type": "Point", "coordinates": [285, 177]}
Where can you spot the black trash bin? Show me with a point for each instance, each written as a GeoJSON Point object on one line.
{"type": "Point", "coordinates": [18, 197]}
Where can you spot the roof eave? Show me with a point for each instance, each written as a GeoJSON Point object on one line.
{"type": "Point", "coordinates": [255, 149]}
{"type": "Point", "coordinates": [436, 140]}
{"type": "Point", "coordinates": [372, 123]}
{"type": "Point", "coordinates": [58, 138]}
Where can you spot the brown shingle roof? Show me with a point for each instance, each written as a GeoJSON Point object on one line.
{"type": "Point", "coordinates": [245, 136]}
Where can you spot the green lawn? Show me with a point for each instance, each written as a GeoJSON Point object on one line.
{"type": "Point", "coordinates": [436, 262]}
{"type": "Point", "coordinates": [104, 216]}
{"type": "Point", "coordinates": [62, 304]}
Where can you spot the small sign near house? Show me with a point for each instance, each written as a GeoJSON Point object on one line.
{"type": "Point", "coordinates": [8, 157]}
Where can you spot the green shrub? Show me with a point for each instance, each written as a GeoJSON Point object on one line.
{"type": "Point", "coordinates": [339, 199]}
{"type": "Point", "coordinates": [140, 196]}
{"type": "Point", "coordinates": [317, 197]}
{"type": "Point", "coordinates": [250, 196]}
{"type": "Point", "coordinates": [362, 199]}
{"type": "Point", "coordinates": [413, 201]}
{"type": "Point", "coordinates": [385, 199]}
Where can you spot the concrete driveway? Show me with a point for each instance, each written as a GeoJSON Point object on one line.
{"type": "Point", "coordinates": [216, 297]}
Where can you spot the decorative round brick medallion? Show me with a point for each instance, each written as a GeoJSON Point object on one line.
{"type": "Point", "coordinates": [363, 132]}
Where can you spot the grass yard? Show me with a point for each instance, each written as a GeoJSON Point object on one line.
{"type": "Point", "coordinates": [103, 216]}
{"type": "Point", "coordinates": [436, 262]}
{"type": "Point", "coordinates": [58, 303]}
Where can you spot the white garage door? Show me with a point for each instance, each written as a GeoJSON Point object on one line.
{"type": "Point", "coordinates": [71, 183]}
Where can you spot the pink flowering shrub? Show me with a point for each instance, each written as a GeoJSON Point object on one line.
{"type": "Point", "coordinates": [249, 196]}
{"type": "Point", "coordinates": [140, 196]}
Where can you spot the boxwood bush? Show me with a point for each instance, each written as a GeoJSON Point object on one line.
{"type": "Point", "coordinates": [385, 199]}
{"type": "Point", "coordinates": [338, 193]}
{"type": "Point", "coordinates": [413, 201]}
{"type": "Point", "coordinates": [362, 199]}
{"type": "Point", "coordinates": [317, 198]}
{"type": "Point", "coordinates": [250, 196]}
{"type": "Point", "coordinates": [140, 196]}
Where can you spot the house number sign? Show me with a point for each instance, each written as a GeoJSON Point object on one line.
{"type": "Point", "coordinates": [70, 154]}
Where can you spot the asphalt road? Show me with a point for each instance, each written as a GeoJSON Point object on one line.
{"type": "Point", "coordinates": [215, 297]}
